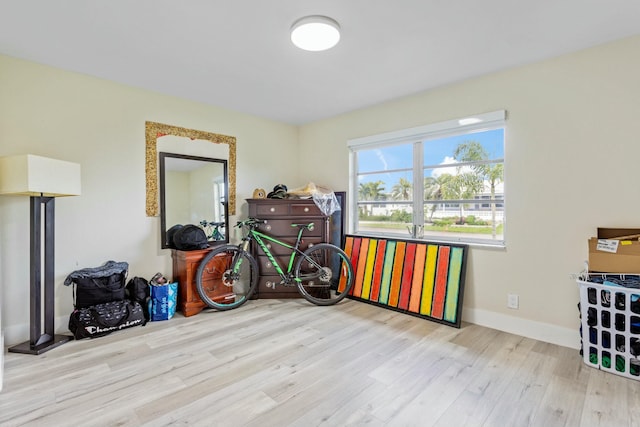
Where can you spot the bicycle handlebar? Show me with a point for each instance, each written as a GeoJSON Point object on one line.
{"type": "Point", "coordinates": [250, 222]}
{"type": "Point", "coordinates": [205, 223]}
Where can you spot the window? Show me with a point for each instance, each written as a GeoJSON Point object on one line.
{"type": "Point", "coordinates": [443, 181]}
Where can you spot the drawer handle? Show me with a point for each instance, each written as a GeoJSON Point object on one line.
{"type": "Point", "coordinates": [306, 209]}
{"type": "Point", "coordinates": [268, 264]}
{"type": "Point", "coordinates": [269, 245]}
{"type": "Point", "coordinates": [268, 228]}
{"type": "Point", "coordinates": [310, 245]}
{"type": "Point", "coordinates": [272, 210]}
{"type": "Point", "coordinates": [271, 285]}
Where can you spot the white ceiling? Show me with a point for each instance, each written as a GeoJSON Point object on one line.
{"type": "Point", "coordinates": [237, 54]}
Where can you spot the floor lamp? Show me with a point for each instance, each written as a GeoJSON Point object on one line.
{"type": "Point", "coordinates": [42, 179]}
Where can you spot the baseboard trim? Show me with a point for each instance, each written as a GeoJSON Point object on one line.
{"type": "Point", "coordinates": [546, 332]}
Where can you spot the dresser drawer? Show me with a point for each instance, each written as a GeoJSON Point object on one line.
{"type": "Point", "coordinates": [275, 209]}
{"type": "Point", "coordinates": [265, 208]}
{"type": "Point", "coordinates": [283, 227]}
{"type": "Point", "coordinates": [306, 209]}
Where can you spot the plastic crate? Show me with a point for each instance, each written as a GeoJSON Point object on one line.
{"type": "Point", "coordinates": [610, 319]}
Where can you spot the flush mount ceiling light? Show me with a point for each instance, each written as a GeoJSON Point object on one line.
{"type": "Point", "coordinates": [315, 33]}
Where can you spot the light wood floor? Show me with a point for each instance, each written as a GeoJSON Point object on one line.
{"type": "Point", "coordinates": [288, 363]}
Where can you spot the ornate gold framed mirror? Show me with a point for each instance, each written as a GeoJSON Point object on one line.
{"type": "Point", "coordinates": [154, 130]}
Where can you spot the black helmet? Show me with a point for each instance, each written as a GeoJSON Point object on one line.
{"type": "Point", "coordinates": [170, 233]}
{"type": "Point", "coordinates": [279, 192]}
{"type": "Point", "coordinates": [190, 237]}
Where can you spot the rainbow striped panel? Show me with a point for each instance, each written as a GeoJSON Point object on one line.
{"type": "Point", "coordinates": [368, 269]}
{"type": "Point", "coordinates": [396, 278]}
{"type": "Point", "coordinates": [377, 273]}
{"type": "Point", "coordinates": [387, 270]}
{"type": "Point", "coordinates": [422, 279]}
{"type": "Point", "coordinates": [418, 274]}
{"type": "Point", "coordinates": [440, 291]}
{"type": "Point", "coordinates": [429, 280]}
{"type": "Point", "coordinates": [453, 285]}
{"type": "Point", "coordinates": [407, 275]}
{"type": "Point", "coordinates": [348, 249]}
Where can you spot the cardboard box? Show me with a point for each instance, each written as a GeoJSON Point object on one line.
{"type": "Point", "coordinates": [611, 233]}
{"type": "Point", "coordinates": [626, 259]}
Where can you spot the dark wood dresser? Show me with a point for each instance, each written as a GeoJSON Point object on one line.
{"type": "Point", "coordinates": [280, 214]}
{"type": "Point", "coordinates": [185, 267]}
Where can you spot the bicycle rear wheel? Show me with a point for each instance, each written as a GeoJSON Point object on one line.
{"type": "Point", "coordinates": [226, 277]}
{"type": "Point", "coordinates": [325, 274]}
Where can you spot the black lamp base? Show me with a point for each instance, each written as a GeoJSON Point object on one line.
{"type": "Point", "coordinates": [27, 348]}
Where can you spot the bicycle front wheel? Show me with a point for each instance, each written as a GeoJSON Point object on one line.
{"type": "Point", "coordinates": [226, 277]}
{"type": "Point", "coordinates": [324, 274]}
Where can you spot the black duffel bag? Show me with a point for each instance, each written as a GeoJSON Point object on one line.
{"type": "Point", "coordinates": [102, 319]}
{"type": "Point", "coordinates": [98, 285]}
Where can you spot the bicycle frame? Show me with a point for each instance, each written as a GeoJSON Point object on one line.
{"type": "Point", "coordinates": [260, 239]}
{"type": "Point", "coordinates": [212, 230]}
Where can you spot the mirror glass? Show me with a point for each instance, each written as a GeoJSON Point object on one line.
{"type": "Point", "coordinates": [193, 190]}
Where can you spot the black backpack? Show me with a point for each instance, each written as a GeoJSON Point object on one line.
{"type": "Point", "coordinates": [137, 290]}
{"type": "Point", "coordinates": [189, 238]}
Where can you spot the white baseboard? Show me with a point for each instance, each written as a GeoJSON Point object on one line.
{"type": "Point", "coordinates": [565, 337]}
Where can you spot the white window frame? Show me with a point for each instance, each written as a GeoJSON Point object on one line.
{"type": "Point", "coordinates": [416, 136]}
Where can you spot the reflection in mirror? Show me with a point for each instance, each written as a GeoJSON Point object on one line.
{"type": "Point", "coordinates": [193, 190]}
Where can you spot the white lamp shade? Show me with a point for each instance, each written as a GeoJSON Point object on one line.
{"type": "Point", "coordinates": [30, 175]}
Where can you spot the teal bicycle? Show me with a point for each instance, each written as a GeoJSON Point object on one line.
{"type": "Point", "coordinates": [228, 275]}
{"type": "Point", "coordinates": [212, 229]}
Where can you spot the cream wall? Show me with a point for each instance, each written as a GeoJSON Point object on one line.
{"type": "Point", "coordinates": [572, 154]}
{"type": "Point", "coordinates": [101, 125]}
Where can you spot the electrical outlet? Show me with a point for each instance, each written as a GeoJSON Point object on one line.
{"type": "Point", "coordinates": [512, 301]}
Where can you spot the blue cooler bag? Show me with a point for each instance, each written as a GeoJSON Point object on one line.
{"type": "Point", "coordinates": [163, 302]}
